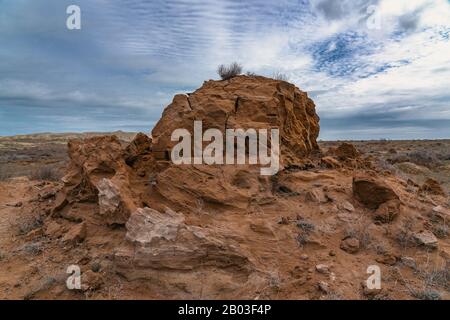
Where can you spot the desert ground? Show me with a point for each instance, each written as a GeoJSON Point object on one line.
{"type": "Point", "coordinates": [140, 228]}
{"type": "Point", "coordinates": [33, 266]}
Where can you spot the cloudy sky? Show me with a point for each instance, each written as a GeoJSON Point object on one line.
{"type": "Point", "coordinates": [376, 69]}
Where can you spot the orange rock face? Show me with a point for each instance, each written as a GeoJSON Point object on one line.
{"type": "Point", "coordinates": [242, 103]}
{"type": "Point", "coordinates": [122, 179]}
{"type": "Point", "coordinates": [101, 171]}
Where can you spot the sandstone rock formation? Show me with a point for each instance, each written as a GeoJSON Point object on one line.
{"type": "Point", "coordinates": [171, 237]}
{"type": "Point", "coordinates": [226, 231]}
{"type": "Point", "coordinates": [99, 173]}
{"type": "Point", "coordinates": [162, 245]}
{"type": "Point", "coordinates": [245, 102]}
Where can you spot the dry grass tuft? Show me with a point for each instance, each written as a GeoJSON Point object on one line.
{"type": "Point", "coordinates": [46, 173]}
{"type": "Point", "coordinates": [230, 71]}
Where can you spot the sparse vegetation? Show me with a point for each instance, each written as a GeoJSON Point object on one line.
{"type": "Point", "coordinates": [424, 158]}
{"type": "Point", "coordinates": [404, 237]}
{"type": "Point", "coordinates": [230, 71]}
{"type": "Point", "coordinates": [46, 284]}
{"type": "Point", "coordinates": [33, 248]}
{"type": "Point", "coordinates": [27, 224]}
{"type": "Point", "coordinates": [419, 157]}
{"type": "Point", "coordinates": [46, 173]}
{"type": "Point", "coordinates": [426, 295]}
{"type": "Point", "coordinates": [440, 230]}
{"type": "Point", "coordinates": [306, 228]}
{"type": "Point", "coordinates": [432, 278]}
{"type": "Point", "coordinates": [333, 295]}
{"type": "Point", "coordinates": [359, 230]}
{"type": "Point", "coordinates": [251, 74]}
{"type": "Point", "coordinates": [280, 76]}
{"type": "Point", "coordinates": [437, 277]}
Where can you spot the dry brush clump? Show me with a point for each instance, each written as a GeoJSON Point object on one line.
{"type": "Point", "coordinates": [230, 71]}
{"type": "Point", "coordinates": [26, 224]}
{"type": "Point", "coordinates": [280, 76]}
{"type": "Point", "coordinates": [404, 236]}
{"type": "Point", "coordinates": [46, 173]}
{"type": "Point", "coordinates": [359, 230]}
{"type": "Point", "coordinates": [33, 248]}
{"type": "Point", "coordinates": [433, 278]}
{"type": "Point", "coordinates": [425, 158]}
{"type": "Point", "coordinates": [306, 228]}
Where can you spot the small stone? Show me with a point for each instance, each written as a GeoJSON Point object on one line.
{"type": "Point", "coordinates": [323, 268]}
{"type": "Point", "coordinates": [141, 173]}
{"type": "Point", "coordinates": [36, 233]}
{"type": "Point", "coordinates": [304, 257]}
{"type": "Point", "coordinates": [91, 281]}
{"type": "Point", "coordinates": [332, 253]}
{"type": "Point", "coordinates": [387, 258]}
{"type": "Point", "coordinates": [323, 286]}
{"type": "Point", "coordinates": [441, 209]}
{"type": "Point", "coordinates": [18, 204]}
{"type": "Point", "coordinates": [47, 194]}
{"type": "Point", "coordinates": [426, 238]}
{"type": "Point", "coordinates": [283, 221]}
{"type": "Point", "coordinates": [53, 229]}
{"type": "Point", "coordinates": [316, 195]}
{"type": "Point", "coordinates": [345, 217]}
{"type": "Point", "coordinates": [409, 262]}
{"type": "Point", "coordinates": [369, 293]}
{"type": "Point", "coordinates": [346, 206]}
{"type": "Point", "coordinates": [350, 245]}
{"type": "Point", "coordinates": [76, 234]}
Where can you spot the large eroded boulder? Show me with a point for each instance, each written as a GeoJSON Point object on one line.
{"type": "Point", "coordinates": [372, 192]}
{"type": "Point", "coordinates": [241, 103]}
{"type": "Point", "coordinates": [200, 243]}
{"type": "Point", "coordinates": [162, 247]}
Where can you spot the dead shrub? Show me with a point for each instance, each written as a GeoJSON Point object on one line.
{"type": "Point", "coordinates": [46, 173]}
{"type": "Point", "coordinates": [436, 276]}
{"type": "Point", "coordinates": [440, 230]}
{"type": "Point", "coordinates": [280, 76]}
{"type": "Point", "coordinates": [27, 224]}
{"type": "Point", "coordinates": [230, 71]}
{"type": "Point", "coordinates": [251, 74]}
{"type": "Point", "coordinates": [306, 228]}
{"type": "Point", "coordinates": [33, 248]}
{"type": "Point", "coordinates": [426, 294]}
{"type": "Point", "coordinates": [432, 277]}
{"type": "Point", "coordinates": [404, 236]}
{"type": "Point", "coordinates": [359, 230]}
{"type": "Point", "coordinates": [386, 165]}
{"type": "Point", "coordinates": [424, 158]}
